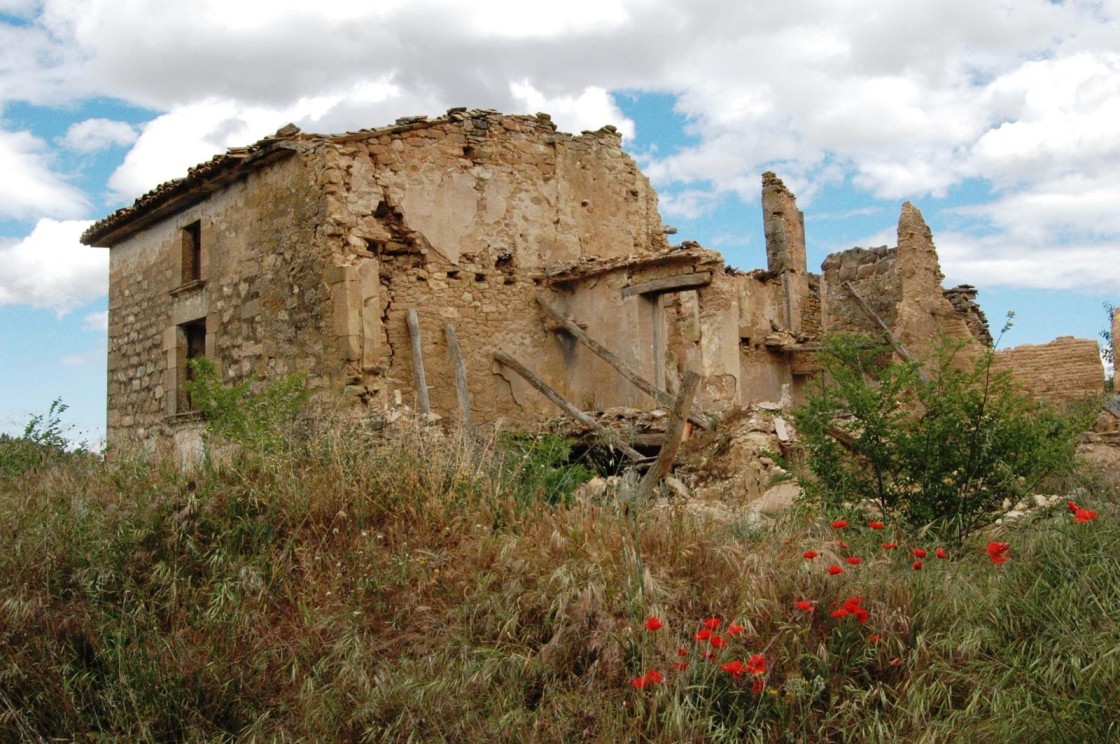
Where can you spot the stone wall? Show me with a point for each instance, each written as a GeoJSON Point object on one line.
{"type": "Point", "coordinates": [872, 273]}
{"type": "Point", "coordinates": [1066, 369]}
{"type": "Point", "coordinates": [963, 300]}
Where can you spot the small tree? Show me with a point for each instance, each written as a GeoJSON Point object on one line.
{"type": "Point", "coordinates": [944, 453]}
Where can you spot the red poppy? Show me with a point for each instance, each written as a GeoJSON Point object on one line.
{"type": "Point", "coordinates": [810, 554]}
{"type": "Point", "coordinates": [756, 665]}
{"type": "Point", "coordinates": [758, 686]}
{"type": "Point", "coordinates": [653, 624]}
{"type": "Point", "coordinates": [681, 665]}
{"type": "Point", "coordinates": [653, 676]}
{"type": "Point", "coordinates": [875, 525]}
{"type": "Point", "coordinates": [735, 629]}
{"type": "Point", "coordinates": [940, 553]}
{"type": "Point", "coordinates": [1073, 507]}
{"type": "Point", "coordinates": [889, 546]}
{"type": "Point", "coordinates": [916, 565]}
{"type": "Point", "coordinates": [718, 642]}
{"type": "Point", "coordinates": [639, 682]}
{"type": "Point", "coordinates": [734, 668]}
{"type": "Point", "coordinates": [1084, 515]}
{"type": "Point", "coordinates": [839, 612]}
{"type": "Point", "coordinates": [998, 551]}
{"type": "Point", "coordinates": [874, 638]}
{"type": "Point", "coordinates": [703, 634]}
{"type": "Point", "coordinates": [804, 605]}
{"type": "Point", "coordinates": [834, 570]}
{"type": "Point", "coordinates": [712, 623]}
{"type": "Point", "coordinates": [682, 651]}
{"type": "Point", "coordinates": [840, 524]}
{"type": "Point", "coordinates": [855, 560]}
{"type": "Point", "coordinates": [919, 552]}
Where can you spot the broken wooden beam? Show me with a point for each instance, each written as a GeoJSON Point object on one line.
{"type": "Point", "coordinates": [892, 339]}
{"type": "Point", "coordinates": [462, 392]}
{"type": "Point", "coordinates": [662, 397]}
{"type": "Point", "coordinates": [673, 434]}
{"type": "Point", "coordinates": [566, 405]}
{"type": "Point", "coordinates": [413, 321]}
{"type": "Point", "coordinates": [676, 283]}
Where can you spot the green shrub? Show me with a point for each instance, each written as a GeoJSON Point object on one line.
{"type": "Point", "coordinates": [944, 453]}
{"type": "Point", "coordinates": [544, 471]}
{"type": "Point", "coordinates": [43, 440]}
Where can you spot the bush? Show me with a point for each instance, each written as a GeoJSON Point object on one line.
{"type": "Point", "coordinates": [43, 440]}
{"type": "Point", "coordinates": [944, 453]}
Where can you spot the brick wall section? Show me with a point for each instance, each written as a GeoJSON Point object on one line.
{"type": "Point", "coordinates": [1066, 369]}
{"type": "Point", "coordinates": [872, 273]}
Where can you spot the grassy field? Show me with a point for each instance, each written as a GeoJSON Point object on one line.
{"type": "Point", "coordinates": [364, 586]}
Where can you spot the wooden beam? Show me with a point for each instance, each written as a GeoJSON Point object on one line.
{"type": "Point", "coordinates": [891, 338]}
{"type": "Point", "coordinates": [676, 283]}
{"type": "Point", "coordinates": [673, 433]}
{"type": "Point", "coordinates": [462, 392]}
{"type": "Point", "coordinates": [576, 330]}
{"type": "Point", "coordinates": [565, 405]}
{"type": "Point", "coordinates": [418, 362]}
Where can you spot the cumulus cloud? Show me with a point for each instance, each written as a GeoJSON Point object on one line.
{"type": "Point", "coordinates": [50, 269]}
{"type": "Point", "coordinates": [98, 134]}
{"type": "Point", "coordinates": [29, 187]}
{"type": "Point", "coordinates": [96, 322]}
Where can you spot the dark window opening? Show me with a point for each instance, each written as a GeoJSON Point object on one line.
{"type": "Point", "coordinates": [193, 346]}
{"type": "Point", "coordinates": [192, 252]}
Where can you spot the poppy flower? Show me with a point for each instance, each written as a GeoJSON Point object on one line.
{"type": "Point", "coordinates": [875, 525]}
{"type": "Point", "coordinates": [835, 570]}
{"type": "Point", "coordinates": [653, 676]}
{"type": "Point", "coordinates": [682, 651]}
{"type": "Point", "coordinates": [804, 605]}
{"type": "Point", "coordinates": [919, 552]}
{"type": "Point", "coordinates": [874, 638]}
{"type": "Point", "coordinates": [1073, 507]}
{"type": "Point", "coordinates": [888, 546]}
{"type": "Point", "coordinates": [718, 642]}
{"type": "Point", "coordinates": [734, 668]}
{"type": "Point", "coordinates": [997, 551]}
{"type": "Point", "coordinates": [703, 634]}
{"type": "Point", "coordinates": [712, 623]}
{"type": "Point", "coordinates": [810, 554]}
{"type": "Point", "coordinates": [756, 665]}
{"type": "Point", "coordinates": [653, 624]}
{"type": "Point", "coordinates": [917, 565]}
{"type": "Point", "coordinates": [1084, 515]}
{"type": "Point", "coordinates": [839, 612]}
{"type": "Point", "coordinates": [758, 686]}
{"type": "Point", "coordinates": [681, 665]}
{"type": "Point", "coordinates": [735, 629]}
{"type": "Point", "coordinates": [855, 560]}
{"type": "Point", "coordinates": [840, 524]}
{"type": "Point", "coordinates": [940, 553]}
{"type": "Point", "coordinates": [639, 682]}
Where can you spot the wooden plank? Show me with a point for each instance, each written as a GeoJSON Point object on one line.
{"type": "Point", "coordinates": [891, 338]}
{"type": "Point", "coordinates": [418, 362]}
{"type": "Point", "coordinates": [462, 392]}
{"type": "Point", "coordinates": [565, 405]}
{"type": "Point", "coordinates": [660, 396]}
{"type": "Point", "coordinates": [676, 283]}
{"type": "Point", "coordinates": [673, 433]}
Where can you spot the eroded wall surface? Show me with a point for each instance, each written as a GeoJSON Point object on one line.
{"type": "Point", "coordinates": [1066, 369]}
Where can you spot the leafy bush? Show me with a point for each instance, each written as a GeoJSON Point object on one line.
{"type": "Point", "coordinates": [43, 439]}
{"type": "Point", "coordinates": [944, 453]}
{"type": "Point", "coordinates": [543, 467]}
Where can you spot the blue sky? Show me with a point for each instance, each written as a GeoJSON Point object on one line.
{"type": "Point", "coordinates": [998, 120]}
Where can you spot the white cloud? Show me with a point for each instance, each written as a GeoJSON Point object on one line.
{"type": "Point", "coordinates": [591, 109]}
{"type": "Point", "coordinates": [91, 358]}
{"type": "Point", "coordinates": [51, 269]}
{"type": "Point", "coordinates": [96, 322]}
{"type": "Point", "coordinates": [28, 186]}
{"type": "Point", "coordinates": [98, 134]}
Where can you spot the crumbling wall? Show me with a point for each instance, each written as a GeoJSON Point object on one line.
{"type": "Point", "coordinates": [873, 273]}
{"type": "Point", "coordinates": [1066, 369]}
{"type": "Point", "coordinates": [963, 300]}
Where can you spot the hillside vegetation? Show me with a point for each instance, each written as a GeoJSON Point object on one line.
{"type": "Point", "coordinates": [362, 583]}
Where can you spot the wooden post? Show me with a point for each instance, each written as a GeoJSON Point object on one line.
{"type": "Point", "coordinates": [891, 338]}
{"type": "Point", "coordinates": [661, 396]}
{"type": "Point", "coordinates": [461, 390]}
{"type": "Point", "coordinates": [673, 433]}
{"type": "Point", "coordinates": [418, 362]}
{"type": "Point", "coordinates": [565, 405]}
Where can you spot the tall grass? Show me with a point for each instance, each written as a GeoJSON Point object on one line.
{"type": "Point", "coordinates": [357, 585]}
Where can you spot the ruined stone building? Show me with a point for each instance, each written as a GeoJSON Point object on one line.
{"type": "Point", "coordinates": [306, 252]}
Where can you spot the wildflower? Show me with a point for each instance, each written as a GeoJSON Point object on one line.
{"type": "Point", "coordinates": [839, 612]}
{"type": "Point", "coordinates": [874, 638]}
{"type": "Point", "coordinates": [997, 551]}
{"type": "Point", "coordinates": [735, 629]}
{"type": "Point", "coordinates": [841, 544]}
{"type": "Point", "coordinates": [1073, 507]}
{"type": "Point", "coordinates": [810, 554]}
{"type": "Point", "coordinates": [758, 686]}
{"type": "Point", "coordinates": [919, 552]}
{"type": "Point", "coordinates": [653, 676]}
{"type": "Point", "coordinates": [840, 524]}
{"type": "Point", "coordinates": [639, 682]}
{"type": "Point", "coordinates": [703, 634]}
{"type": "Point", "coordinates": [1084, 515]}
{"type": "Point", "coordinates": [888, 546]}
{"type": "Point", "coordinates": [756, 665]}
{"type": "Point", "coordinates": [653, 624]}
{"type": "Point", "coordinates": [854, 560]}
{"type": "Point", "coordinates": [718, 642]}
{"type": "Point", "coordinates": [852, 605]}
{"type": "Point", "coordinates": [804, 605]}
{"type": "Point", "coordinates": [682, 651]}
{"type": "Point", "coordinates": [875, 525]}
{"type": "Point", "coordinates": [835, 570]}
{"type": "Point", "coordinates": [940, 553]}
{"type": "Point", "coordinates": [916, 565]}
{"type": "Point", "coordinates": [681, 665]}
{"type": "Point", "coordinates": [734, 668]}
{"type": "Point", "coordinates": [712, 623]}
